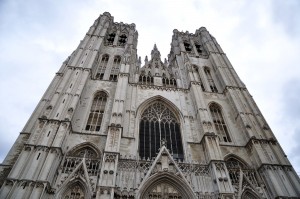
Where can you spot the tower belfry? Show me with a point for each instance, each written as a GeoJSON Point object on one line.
{"type": "Point", "coordinates": [109, 127]}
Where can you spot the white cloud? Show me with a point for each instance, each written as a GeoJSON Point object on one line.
{"type": "Point", "coordinates": [36, 37]}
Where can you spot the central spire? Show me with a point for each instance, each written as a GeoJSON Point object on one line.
{"type": "Point", "coordinates": [155, 52]}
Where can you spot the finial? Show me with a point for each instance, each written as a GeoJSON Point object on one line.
{"type": "Point", "coordinates": [155, 52]}
{"type": "Point", "coordinates": [163, 142]}
{"type": "Point", "coordinates": [146, 59]}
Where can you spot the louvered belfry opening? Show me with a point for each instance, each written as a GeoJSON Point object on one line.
{"type": "Point", "coordinates": [159, 123]}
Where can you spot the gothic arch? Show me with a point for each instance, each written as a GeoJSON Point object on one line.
{"type": "Point", "coordinates": [77, 189]}
{"type": "Point", "coordinates": [220, 122]}
{"type": "Point", "coordinates": [97, 110]}
{"type": "Point", "coordinates": [249, 194]}
{"type": "Point", "coordinates": [141, 108]}
{"type": "Point", "coordinates": [167, 126]}
{"type": "Point", "coordinates": [123, 37]}
{"type": "Point", "coordinates": [177, 183]}
{"type": "Point", "coordinates": [102, 66]}
{"type": "Point", "coordinates": [211, 79]}
{"type": "Point", "coordinates": [85, 145]}
{"type": "Point", "coordinates": [237, 158]}
{"type": "Point", "coordinates": [99, 91]}
{"type": "Point", "coordinates": [241, 173]}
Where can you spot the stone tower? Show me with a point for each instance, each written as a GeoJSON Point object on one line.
{"type": "Point", "coordinates": [108, 127]}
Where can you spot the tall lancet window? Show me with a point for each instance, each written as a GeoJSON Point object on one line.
{"type": "Point", "coordinates": [168, 82]}
{"type": "Point", "coordinates": [158, 123]}
{"type": "Point", "coordinates": [219, 122]}
{"type": "Point", "coordinates": [115, 69]}
{"type": "Point", "coordinates": [197, 72]}
{"type": "Point", "coordinates": [111, 38]}
{"type": "Point", "coordinates": [97, 112]}
{"type": "Point", "coordinates": [102, 67]}
{"type": "Point", "coordinates": [187, 46]}
{"type": "Point", "coordinates": [210, 81]}
{"type": "Point", "coordinates": [74, 191]}
{"type": "Point", "coordinates": [146, 79]}
{"type": "Point", "coordinates": [122, 40]}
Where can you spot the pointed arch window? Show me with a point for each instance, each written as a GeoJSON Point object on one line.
{"type": "Point", "coordinates": [159, 123]}
{"type": "Point", "coordinates": [199, 48]}
{"type": "Point", "coordinates": [165, 80]}
{"type": "Point", "coordinates": [115, 69]}
{"type": "Point", "coordinates": [102, 67]}
{"type": "Point", "coordinates": [122, 39]}
{"type": "Point", "coordinates": [199, 77]}
{"type": "Point", "coordinates": [187, 46]}
{"type": "Point", "coordinates": [210, 80]}
{"type": "Point", "coordinates": [249, 195]}
{"type": "Point", "coordinates": [163, 190]}
{"type": "Point", "coordinates": [146, 79]}
{"type": "Point", "coordinates": [168, 82]}
{"type": "Point", "coordinates": [219, 123]}
{"type": "Point", "coordinates": [74, 158]}
{"type": "Point", "coordinates": [96, 112]}
{"type": "Point", "coordinates": [75, 191]}
{"type": "Point", "coordinates": [237, 168]}
{"type": "Point", "coordinates": [110, 38]}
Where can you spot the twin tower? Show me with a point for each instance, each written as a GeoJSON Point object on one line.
{"type": "Point", "coordinates": [109, 127]}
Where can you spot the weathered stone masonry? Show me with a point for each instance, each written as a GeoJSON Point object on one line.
{"type": "Point", "coordinates": [185, 127]}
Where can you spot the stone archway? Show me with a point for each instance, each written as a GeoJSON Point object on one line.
{"type": "Point", "coordinates": [248, 194]}
{"type": "Point", "coordinates": [163, 190]}
{"type": "Point", "coordinates": [74, 191]}
{"type": "Point", "coordinates": [165, 186]}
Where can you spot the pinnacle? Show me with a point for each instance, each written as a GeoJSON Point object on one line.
{"type": "Point", "coordinates": [155, 52]}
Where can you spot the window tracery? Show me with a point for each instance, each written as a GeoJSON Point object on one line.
{"type": "Point", "coordinates": [236, 168]}
{"type": "Point", "coordinates": [159, 123]}
{"type": "Point", "coordinates": [74, 192]}
{"type": "Point", "coordinates": [146, 79]}
{"type": "Point", "coordinates": [110, 38]}
{"type": "Point", "coordinates": [122, 40]}
{"type": "Point", "coordinates": [219, 123]}
{"type": "Point", "coordinates": [102, 67]}
{"type": "Point", "coordinates": [169, 82]}
{"type": "Point", "coordinates": [199, 77]}
{"type": "Point", "coordinates": [210, 80]}
{"type": "Point", "coordinates": [92, 161]}
{"type": "Point", "coordinates": [86, 152]}
{"type": "Point", "coordinates": [115, 69]}
{"type": "Point", "coordinates": [248, 195]}
{"type": "Point", "coordinates": [163, 190]}
{"type": "Point", "coordinates": [96, 112]}
{"type": "Point", "coordinates": [199, 48]}
{"type": "Point", "coordinates": [187, 46]}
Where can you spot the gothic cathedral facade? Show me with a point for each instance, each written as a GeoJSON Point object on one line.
{"type": "Point", "coordinates": [109, 127]}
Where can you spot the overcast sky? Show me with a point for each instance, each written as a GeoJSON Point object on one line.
{"type": "Point", "coordinates": [261, 39]}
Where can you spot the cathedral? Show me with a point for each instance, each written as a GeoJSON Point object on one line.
{"type": "Point", "coordinates": [110, 127]}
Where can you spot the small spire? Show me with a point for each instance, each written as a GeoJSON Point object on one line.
{"type": "Point", "coordinates": [140, 60]}
{"type": "Point", "coordinates": [163, 142]}
{"type": "Point", "coordinates": [146, 59]}
{"type": "Point", "coordinates": [155, 52]}
{"type": "Point", "coordinates": [166, 62]}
